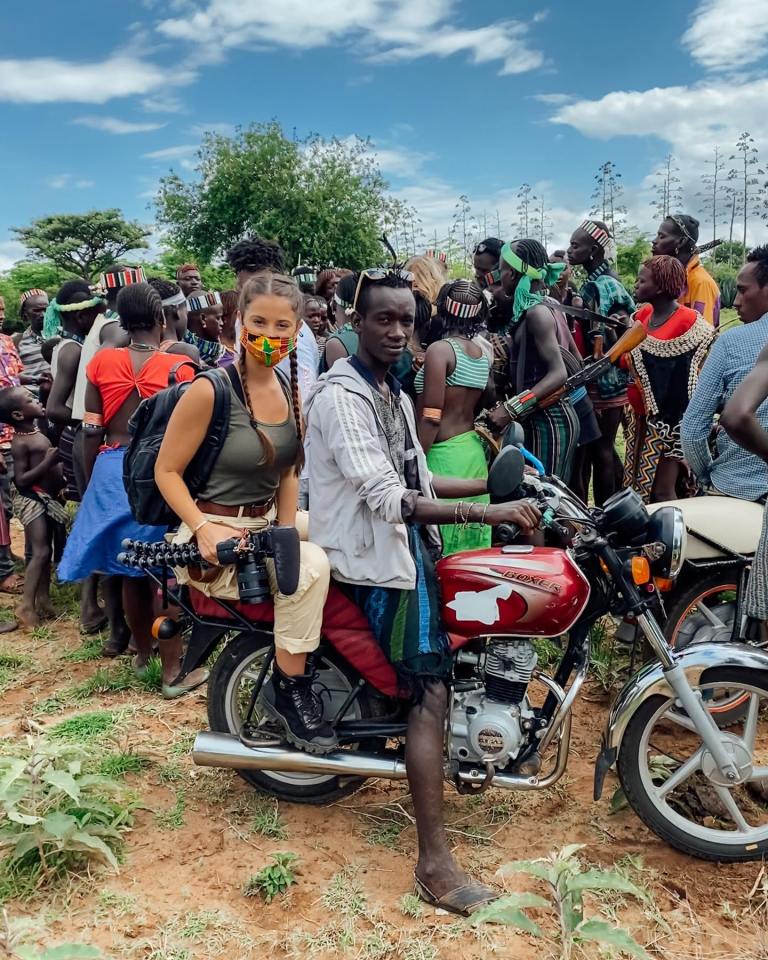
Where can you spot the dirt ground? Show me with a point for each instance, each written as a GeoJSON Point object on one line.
{"type": "Point", "coordinates": [199, 834]}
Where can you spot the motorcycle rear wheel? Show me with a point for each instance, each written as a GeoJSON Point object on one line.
{"type": "Point", "coordinates": [229, 687]}
{"type": "Point", "coordinates": [671, 790]}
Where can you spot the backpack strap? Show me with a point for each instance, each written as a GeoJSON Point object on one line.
{"type": "Point", "coordinates": [237, 384]}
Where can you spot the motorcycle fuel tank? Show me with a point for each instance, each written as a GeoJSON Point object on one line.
{"type": "Point", "coordinates": [512, 591]}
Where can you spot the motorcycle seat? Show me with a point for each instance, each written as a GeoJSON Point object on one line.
{"type": "Point", "coordinates": [733, 523]}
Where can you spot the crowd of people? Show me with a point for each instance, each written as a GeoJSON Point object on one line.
{"type": "Point", "coordinates": [357, 396]}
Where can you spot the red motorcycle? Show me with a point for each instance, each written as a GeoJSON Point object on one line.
{"type": "Point", "coordinates": [509, 724]}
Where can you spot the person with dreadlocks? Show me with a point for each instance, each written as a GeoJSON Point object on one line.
{"type": "Point", "coordinates": [175, 314]}
{"type": "Point", "coordinates": [37, 373]}
{"type": "Point", "coordinates": [538, 344]}
{"type": "Point", "coordinates": [119, 378]}
{"type": "Point", "coordinates": [450, 387]}
{"type": "Point", "coordinates": [205, 312]}
{"type": "Point", "coordinates": [254, 255]}
{"type": "Point", "coordinates": [188, 279]}
{"type": "Point", "coordinates": [373, 509]}
{"type": "Point", "coordinates": [593, 248]}
{"type": "Point", "coordinates": [677, 237]}
{"type": "Point", "coordinates": [254, 482]}
{"type": "Point", "coordinates": [666, 370]}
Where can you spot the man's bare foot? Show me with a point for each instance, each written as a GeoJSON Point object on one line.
{"type": "Point", "coordinates": [27, 616]}
{"type": "Point", "coordinates": [11, 584]}
{"type": "Point", "coordinates": [117, 643]}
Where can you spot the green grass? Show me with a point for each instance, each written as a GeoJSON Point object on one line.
{"type": "Point", "coordinates": [43, 634]}
{"type": "Point", "coordinates": [728, 319]}
{"type": "Point", "coordinates": [86, 726]}
{"type": "Point", "coordinates": [173, 817]}
{"type": "Point", "coordinates": [116, 904]}
{"type": "Point", "coordinates": [114, 678]}
{"type": "Point", "coordinates": [267, 821]}
{"type": "Point", "coordinates": [90, 649]}
{"type": "Point", "coordinates": [7, 615]}
{"type": "Point", "coordinates": [10, 664]}
{"type": "Point", "coordinates": [385, 834]}
{"type": "Point", "coordinates": [122, 763]}
{"type": "Point", "coordinates": [170, 773]}
{"type": "Point", "coordinates": [66, 599]}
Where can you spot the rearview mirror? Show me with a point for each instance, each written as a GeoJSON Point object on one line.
{"type": "Point", "coordinates": [506, 475]}
{"type": "Point", "coordinates": [514, 435]}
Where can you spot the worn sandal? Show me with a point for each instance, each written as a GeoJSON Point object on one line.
{"type": "Point", "coordinates": [464, 900]}
{"type": "Point", "coordinates": [172, 691]}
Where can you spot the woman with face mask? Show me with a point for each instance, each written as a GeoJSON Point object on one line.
{"type": "Point", "coordinates": [255, 482]}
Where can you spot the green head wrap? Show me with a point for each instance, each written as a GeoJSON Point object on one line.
{"type": "Point", "coordinates": [525, 298]}
{"type": "Point", "coordinates": [52, 321]}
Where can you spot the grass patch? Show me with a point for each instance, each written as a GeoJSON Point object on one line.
{"type": "Point", "coordinates": [152, 681]}
{"type": "Point", "coordinates": [90, 649]}
{"type": "Point", "coordinates": [386, 834]}
{"type": "Point", "coordinates": [173, 817]}
{"type": "Point", "coordinates": [122, 763]}
{"type": "Point", "coordinates": [170, 773]}
{"type": "Point", "coordinates": [273, 880]}
{"type": "Point", "coordinates": [43, 634]}
{"type": "Point", "coordinates": [411, 905]}
{"type": "Point", "coordinates": [86, 726]}
{"type": "Point", "coordinates": [345, 894]}
{"type": "Point", "coordinates": [113, 904]}
{"type": "Point", "coordinates": [115, 678]}
{"type": "Point", "coordinates": [7, 615]}
{"type": "Point", "coordinates": [10, 664]}
{"type": "Point", "coordinates": [267, 820]}
{"type": "Point", "coordinates": [66, 599]}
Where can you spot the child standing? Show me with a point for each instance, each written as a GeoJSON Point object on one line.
{"type": "Point", "coordinates": [38, 482]}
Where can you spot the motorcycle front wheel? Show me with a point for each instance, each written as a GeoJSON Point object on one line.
{"type": "Point", "coordinates": [671, 781]}
{"type": "Point", "coordinates": [229, 690]}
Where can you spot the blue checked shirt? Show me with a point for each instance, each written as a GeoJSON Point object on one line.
{"type": "Point", "coordinates": [733, 471]}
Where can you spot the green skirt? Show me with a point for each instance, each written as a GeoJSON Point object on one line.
{"type": "Point", "coordinates": [462, 456]}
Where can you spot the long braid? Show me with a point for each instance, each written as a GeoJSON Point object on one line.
{"type": "Point", "coordinates": [266, 443]}
{"type": "Point", "coordinates": [297, 411]}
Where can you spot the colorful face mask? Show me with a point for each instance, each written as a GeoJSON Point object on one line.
{"type": "Point", "coordinates": [268, 351]}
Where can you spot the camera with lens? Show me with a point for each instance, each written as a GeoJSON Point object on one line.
{"type": "Point", "coordinates": [248, 555]}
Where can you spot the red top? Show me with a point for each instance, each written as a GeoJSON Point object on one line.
{"type": "Point", "coordinates": [112, 372]}
{"type": "Point", "coordinates": [679, 323]}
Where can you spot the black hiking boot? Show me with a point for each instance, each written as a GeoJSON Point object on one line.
{"type": "Point", "coordinates": [293, 702]}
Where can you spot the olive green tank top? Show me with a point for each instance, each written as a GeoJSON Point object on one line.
{"type": "Point", "coordinates": [240, 474]}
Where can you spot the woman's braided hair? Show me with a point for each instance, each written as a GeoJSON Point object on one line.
{"type": "Point", "coordinates": [276, 285]}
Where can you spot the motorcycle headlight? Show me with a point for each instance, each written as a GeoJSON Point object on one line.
{"type": "Point", "coordinates": [667, 530]}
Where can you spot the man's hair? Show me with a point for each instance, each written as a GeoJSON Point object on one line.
{"type": "Point", "coordinates": [390, 282]}
{"type": "Point", "coordinates": [255, 255]}
{"type": "Point", "coordinates": [466, 293]}
{"type": "Point", "coordinates": [346, 287]}
{"type": "Point", "coordinates": [490, 245]}
{"type": "Point", "coordinates": [73, 291]}
{"type": "Point", "coordinates": [668, 275]}
{"type": "Point", "coordinates": [759, 256]}
{"type": "Point", "coordinates": [164, 288]}
{"type": "Point", "coordinates": [314, 298]}
{"type": "Point", "coordinates": [186, 266]}
{"type": "Point", "coordinates": [139, 307]}
{"type": "Point", "coordinates": [690, 226]}
{"type": "Point", "coordinates": [531, 252]}
{"type": "Point", "coordinates": [10, 401]}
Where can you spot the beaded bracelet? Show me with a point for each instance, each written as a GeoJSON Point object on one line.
{"type": "Point", "coordinates": [520, 404]}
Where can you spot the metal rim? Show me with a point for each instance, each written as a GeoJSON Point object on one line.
{"type": "Point", "coordinates": [330, 681]}
{"type": "Point", "coordinates": [745, 834]}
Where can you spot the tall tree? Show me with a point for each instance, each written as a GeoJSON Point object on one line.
{"type": "Point", "coordinates": [607, 197]}
{"type": "Point", "coordinates": [713, 196]}
{"type": "Point", "coordinates": [464, 227]}
{"type": "Point", "coordinates": [669, 196]}
{"type": "Point", "coordinates": [541, 222]}
{"type": "Point", "coordinates": [744, 176]}
{"type": "Point", "coordinates": [324, 200]}
{"type": "Point", "coordinates": [83, 243]}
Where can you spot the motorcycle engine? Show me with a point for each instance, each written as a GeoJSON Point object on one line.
{"type": "Point", "coordinates": [486, 723]}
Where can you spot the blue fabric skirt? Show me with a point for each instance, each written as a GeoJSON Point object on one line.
{"type": "Point", "coordinates": [103, 521]}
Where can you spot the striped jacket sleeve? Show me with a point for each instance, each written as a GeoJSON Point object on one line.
{"type": "Point", "coordinates": [349, 429]}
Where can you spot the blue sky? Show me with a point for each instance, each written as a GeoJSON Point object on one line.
{"type": "Point", "coordinates": [97, 101]}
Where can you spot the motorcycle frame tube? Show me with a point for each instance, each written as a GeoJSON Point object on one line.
{"type": "Point", "coordinates": [693, 663]}
{"type": "Point", "coordinates": [565, 706]}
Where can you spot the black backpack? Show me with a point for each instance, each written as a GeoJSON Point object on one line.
{"type": "Point", "coordinates": [147, 427]}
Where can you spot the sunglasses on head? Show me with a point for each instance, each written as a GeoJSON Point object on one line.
{"type": "Point", "coordinates": [376, 274]}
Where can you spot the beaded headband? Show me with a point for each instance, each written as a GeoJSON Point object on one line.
{"type": "Point", "coordinates": [34, 292]}
{"type": "Point", "coordinates": [95, 301]}
{"type": "Point", "coordinates": [462, 310]}
{"type": "Point", "coordinates": [122, 278]}
{"type": "Point", "coordinates": [344, 304]}
{"type": "Point", "coordinates": [680, 224]}
{"type": "Point", "coordinates": [601, 236]}
{"type": "Point", "coordinates": [203, 300]}
{"type": "Point", "coordinates": [437, 255]}
{"type": "Point", "coordinates": [175, 300]}
{"type": "Point", "coordinates": [306, 274]}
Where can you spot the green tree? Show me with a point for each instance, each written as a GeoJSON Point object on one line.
{"type": "Point", "coordinates": [745, 177]}
{"type": "Point", "coordinates": [324, 201]}
{"type": "Point", "coordinates": [83, 243]}
{"type": "Point", "coordinates": [214, 276]}
{"type": "Point", "coordinates": [629, 258]}
{"type": "Point", "coordinates": [26, 275]}
{"type": "Point", "coordinates": [730, 252]}
{"type": "Point", "coordinates": [607, 197]}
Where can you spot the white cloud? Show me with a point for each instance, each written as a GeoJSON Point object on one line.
{"type": "Point", "coordinates": [62, 181]}
{"type": "Point", "coordinates": [172, 153]}
{"type": "Point", "coordinates": [48, 80]}
{"type": "Point", "coordinates": [117, 126]}
{"type": "Point", "coordinates": [387, 30]}
{"type": "Point", "coordinates": [11, 251]}
{"type": "Point", "coordinates": [554, 99]}
{"type": "Point", "coordinates": [728, 34]}
{"type": "Point", "coordinates": [162, 103]}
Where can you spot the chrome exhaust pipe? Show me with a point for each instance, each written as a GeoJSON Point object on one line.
{"type": "Point", "coordinates": [226, 750]}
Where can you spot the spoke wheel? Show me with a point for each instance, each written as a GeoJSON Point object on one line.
{"type": "Point", "coordinates": [704, 613]}
{"type": "Point", "coordinates": [674, 785]}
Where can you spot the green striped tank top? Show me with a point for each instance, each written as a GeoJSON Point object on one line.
{"type": "Point", "coordinates": [470, 372]}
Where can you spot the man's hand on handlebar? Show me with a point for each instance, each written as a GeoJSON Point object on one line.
{"type": "Point", "coordinates": [522, 513]}
{"type": "Point", "coordinates": [210, 535]}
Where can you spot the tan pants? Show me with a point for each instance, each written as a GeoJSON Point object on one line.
{"type": "Point", "coordinates": [298, 617]}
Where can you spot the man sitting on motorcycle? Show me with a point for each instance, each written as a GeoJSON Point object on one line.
{"type": "Point", "coordinates": [373, 510]}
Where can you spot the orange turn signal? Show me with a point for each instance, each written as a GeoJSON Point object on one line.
{"type": "Point", "coordinates": [641, 570]}
{"type": "Point", "coordinates": [663, 584]}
